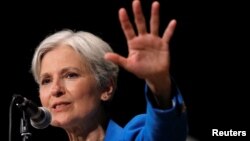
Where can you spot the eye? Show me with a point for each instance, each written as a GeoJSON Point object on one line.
{"type": "Point", "coordinates": [71, 75]}
{"type": "Point", "coordinates": [45, 81]}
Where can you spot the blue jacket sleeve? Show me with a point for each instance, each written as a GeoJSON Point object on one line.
{"type": "Point", "coordinates": [159, 124]}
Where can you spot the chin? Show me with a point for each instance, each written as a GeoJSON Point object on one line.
{"type": "Point", "coordinates": [60, 122]}
{"type": "Point", "coordinates": [57, 123]}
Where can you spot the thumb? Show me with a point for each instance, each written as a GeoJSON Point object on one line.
{"type": "Point", "coordinates": [117, 59]}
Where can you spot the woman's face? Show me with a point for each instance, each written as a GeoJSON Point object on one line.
{"type": "Point", "coordinates": [67, 88]}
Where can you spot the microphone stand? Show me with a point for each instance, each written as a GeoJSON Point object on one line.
{"type": "Point", "coordinates": [24, 127]}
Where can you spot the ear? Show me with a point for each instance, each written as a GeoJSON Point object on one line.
{"type": "Point", "coordinates": [107, 93]}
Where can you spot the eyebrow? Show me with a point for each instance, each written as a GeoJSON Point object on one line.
{"type": "Point", "coordinates": [62, 71]}
{"type": "Point", "coordinates": [70, 68]}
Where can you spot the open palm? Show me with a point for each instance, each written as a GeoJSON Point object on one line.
{"type": "Point", "coordinates": [148, 52]}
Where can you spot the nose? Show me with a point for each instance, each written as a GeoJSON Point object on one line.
{"type": "Point", "coordinates": [57, 88]}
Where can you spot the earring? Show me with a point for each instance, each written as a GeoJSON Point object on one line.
{"type": "Point", "coordinates": [105, 97]}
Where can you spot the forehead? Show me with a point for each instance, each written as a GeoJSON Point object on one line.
{"type": "Point", "coordinates": [62, 56]}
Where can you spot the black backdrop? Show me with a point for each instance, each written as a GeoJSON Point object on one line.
{"type": "Point", "coordinates": [208, 55]}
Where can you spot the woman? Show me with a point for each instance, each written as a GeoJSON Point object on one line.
{"type": "Point", "coordinates": [77, 72]}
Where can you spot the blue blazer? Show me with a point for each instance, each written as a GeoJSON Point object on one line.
{"type": "Point", "coordinates": [154, 125]}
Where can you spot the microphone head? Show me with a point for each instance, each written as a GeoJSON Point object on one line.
{"type": "Point", "coordinates": [44, 119]}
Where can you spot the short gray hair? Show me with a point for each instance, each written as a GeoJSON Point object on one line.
{"type": "Point", "coordinates": [90, 47]}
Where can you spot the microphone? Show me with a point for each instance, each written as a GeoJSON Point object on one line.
{"type": "Point", "coordinates": [40, 117]}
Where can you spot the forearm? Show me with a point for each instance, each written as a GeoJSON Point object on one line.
{"type": "Point", "coordinates": [161, 90]}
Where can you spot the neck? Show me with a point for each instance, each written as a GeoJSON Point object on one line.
{"type": "Point", "coordinates": [89, 130]}
{"type": "Point", "coordinates": [96, 134]}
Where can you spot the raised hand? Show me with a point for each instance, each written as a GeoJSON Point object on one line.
{"type": "Point", "coordinates": [148, 56]}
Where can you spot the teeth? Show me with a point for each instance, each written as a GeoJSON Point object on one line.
{"type": "Point", "coordinates": [59, 105]}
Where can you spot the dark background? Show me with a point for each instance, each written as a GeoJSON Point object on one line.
{"type": "Point", "coordinates": [208, 53]}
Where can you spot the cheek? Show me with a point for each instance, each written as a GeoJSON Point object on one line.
{"type": "Point", "coordinates": [81, 87]}
{"type": "Point", "coordinates": [86, 92]}
{"type": "Point", "coordinates": [43, 98]}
